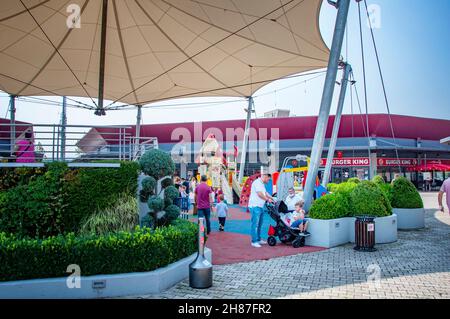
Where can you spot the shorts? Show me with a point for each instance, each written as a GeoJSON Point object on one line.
{"type": "Point", "coordinates": [298, 222]}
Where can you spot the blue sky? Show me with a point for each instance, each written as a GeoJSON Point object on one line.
{"type": "Point", "coordinates": [414, 47]}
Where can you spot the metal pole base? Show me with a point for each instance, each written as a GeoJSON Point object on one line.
{"type": "Point", "coordinates": [200, 273]}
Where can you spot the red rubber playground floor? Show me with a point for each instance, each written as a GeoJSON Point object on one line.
{"type": "Point", "coordinates": [234, 244]}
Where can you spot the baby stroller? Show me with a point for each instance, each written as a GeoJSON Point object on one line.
{"type": "Point", "coordinates": [282, 230]}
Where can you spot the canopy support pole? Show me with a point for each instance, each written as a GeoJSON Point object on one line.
{"type": "Point", "coordinates": [337, 122]}
{"type": "Point", "coordinates": [101, 79]}
{"type": "Point", "coordinates": [327, 97]}
{"type": "Point", "coordinates": [63, 128]}
{"type": "Point", "coordinates": [245, 141]}
{"type": "Point", "coordinates": [12, 113]}
{"type": "Point", "coordinates": [137, 141]}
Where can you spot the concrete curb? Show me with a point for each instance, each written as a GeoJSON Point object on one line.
{"type": "Point", "coordinates": [102, 286]}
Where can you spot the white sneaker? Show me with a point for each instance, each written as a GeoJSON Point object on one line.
{"type": "Point", "coordinates": [262, 242]}
{"type": "Point", "coordinates": [257, 245]}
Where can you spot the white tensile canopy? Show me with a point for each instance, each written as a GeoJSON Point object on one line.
{"type": "Point", "coordinates": [156, 49]}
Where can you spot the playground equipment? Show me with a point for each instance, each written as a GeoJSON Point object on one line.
{"type": "Point", "coordinates": [213, 163]}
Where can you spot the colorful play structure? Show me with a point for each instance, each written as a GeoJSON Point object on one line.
{"type": "Point", "coordinates": [220, 168]}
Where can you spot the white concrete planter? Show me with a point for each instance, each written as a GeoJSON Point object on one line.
{"type": "Point", "coordinates": [102, 286]}
{"type": "Point", "coordinates": [328, 232]}
{"type": "Point", "coordinates": [335, 232]}
{"type": "Point", "coordinates": [385, 229]}
{"type": "Point", "coordinates": [410, 218]}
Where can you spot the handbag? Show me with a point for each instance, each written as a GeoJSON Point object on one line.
{"type": "Point", "coordinates": [24, 151]}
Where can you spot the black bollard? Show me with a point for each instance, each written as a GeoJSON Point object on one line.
{"type": "Point", "coordinates": [200, 270]}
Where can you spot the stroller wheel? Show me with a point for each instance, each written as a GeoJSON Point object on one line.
{"type": "Point", "coordinates": [272, 241]}
{"type": "Point", "coordinates": [299, 242]}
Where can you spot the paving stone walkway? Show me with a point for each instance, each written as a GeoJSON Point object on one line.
{"type": "Point", "coordinates": [416, 266]}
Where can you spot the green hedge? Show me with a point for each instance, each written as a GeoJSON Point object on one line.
{"type": "Point", "coordinates": [89, 190]}
{"type": "Point", "coordinates": [352, 199]}
{"type": "Point", "coordinates": [57, 201]}
{"type": "Point", "coordinates": [124, 252]}
{"type": "Point", "coordinates": [404, 194]}
{"type": "Point", "coordinates": [13, 177]}
{"type": "Point", "coordinates": [330, 206]}
{"type": "Point", "coordinates": [36, 209]}
{"type": "Point", "coordinates": [368, 199]}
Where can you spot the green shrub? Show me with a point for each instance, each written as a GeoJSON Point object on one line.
{"type": "Point", "coordinates": [56, 201]}
{"type": "Point", "coordinates": [156, 204]}
{"type": "Point", "coordinates": [331, 187]}
{"type": "Point", "coordinates": [166, 182]}
{"type": "Point", "coordinates": [404, 194]}
{"type": "Point", "coordinates": [330, 206]}
{"type": "Point", "coordinates": [148, 188]}
{"type": "Point", "coordinates": [172, 213]}
{"type": "Point", "coordinates": [345, 188]}
{"type": "Point", "coordinates": [368, 199]}
{"type": "Point", "coordinates": [13, 177]}
{"type": "Point", "coordinates": [171, 193]}
{"type": "Point", "coordinates": [123, 215]}
{"type": "Point", "coordinates": [378, 180]}
{"type": "Point", "coordinates": [157, 163]}
{"type": "Point", "coordinates": [36, 209]}
{"type": "Point", "coordinates": [123, 252]}
{"type": "Point", "coordinates": [89, 190]}
{"type": "Point", "coordinates": [354, 180]}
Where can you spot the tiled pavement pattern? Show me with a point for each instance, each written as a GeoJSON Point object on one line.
{"type": "Point", "coordinates": [416, 266]}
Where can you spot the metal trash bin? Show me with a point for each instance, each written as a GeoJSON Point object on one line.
{"type": "Point", "coordinates": [365, 233]}
{"type": "Point", "coordinates": [200, 270]}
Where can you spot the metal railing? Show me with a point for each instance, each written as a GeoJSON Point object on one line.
{"type": "Point", "coordinates": [70, 143]}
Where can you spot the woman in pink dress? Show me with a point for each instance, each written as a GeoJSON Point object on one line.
{"type": "Point", "coordinates": [24, 149]}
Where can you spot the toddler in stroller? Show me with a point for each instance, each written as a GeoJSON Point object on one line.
{"type": "Point", "coordinates": [283, 230]}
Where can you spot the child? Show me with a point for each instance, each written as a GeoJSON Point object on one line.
{"type": "Point", "coordinates": [299, 219]}
{"type": "Point", "coordinates": [184, 200]}
{"type": "Point", "coordinates": [222, 212]}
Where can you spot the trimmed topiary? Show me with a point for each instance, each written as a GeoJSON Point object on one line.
{"type": "Point", "coordinates": [148, 188]}
{"type": "Point", "coordinates": [155, 204]}
{"type": "Point", "coordinates": [171, 193]}
{"type": "Point", "coordinates": [172, 213]}
{"type": "Point", "coordinates": [354, 180]}
{"type": "Point", "coordinates": [368, 199]}
{"type": "Point", "coordinates": [157, 163]}
{"type": "Point", "coordinates": [330, 206]}
{"type": "Point", "coordinates": [332, 187]}
{"type": "Point", "coordinates": [404, 194]}
{"type": "Point", "coordinates": [378, 180]}
{"type": "Point", "coordinates": [166, 182]}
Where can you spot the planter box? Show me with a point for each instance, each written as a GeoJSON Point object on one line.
{"type": "Point", "coordinates": [410, 218]}
{"type": "Point", "coordinates": [385, 229]}
{"type": "Point", "coordinates": [335, 232]}
{"type": "Point", "coordinates": [102, 286]}
{"type": "Point", "coordinates": [328, 232]}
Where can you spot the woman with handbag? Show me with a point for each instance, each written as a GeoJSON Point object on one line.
{"type": "Point", "coordinates": [24, 149]}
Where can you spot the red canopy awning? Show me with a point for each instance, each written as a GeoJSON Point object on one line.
{"type": "Point", "coordinates": [430, 167]}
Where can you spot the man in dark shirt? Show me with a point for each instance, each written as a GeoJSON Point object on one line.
{"type": "Point", "coordinates": [203, 201]}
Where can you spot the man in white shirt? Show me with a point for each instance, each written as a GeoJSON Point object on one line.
{"type": "Point", "coordinates": [258, 197]}
{"type": "Point", "coordinates": [292, 199]}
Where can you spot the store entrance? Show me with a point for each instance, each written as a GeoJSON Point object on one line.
{"type": "Point", "coordinates": [342, 174]}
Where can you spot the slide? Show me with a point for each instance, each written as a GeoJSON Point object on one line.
{"type": "Point", "coordinates": [236, 186]}
{"type": "Point", "coordinates": [226, 189]}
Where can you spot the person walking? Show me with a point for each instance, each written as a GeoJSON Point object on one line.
{"type": "Point", "coordinates": [204, 200]}
{"type": "Point", "coordinates": [192, 186]}
{"type": "Point", "coordinates": [445, 188]}
{"type": "Point", "coordinates": [257, 200]}
{"type": "Point", "coordinates": [222, 212]}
